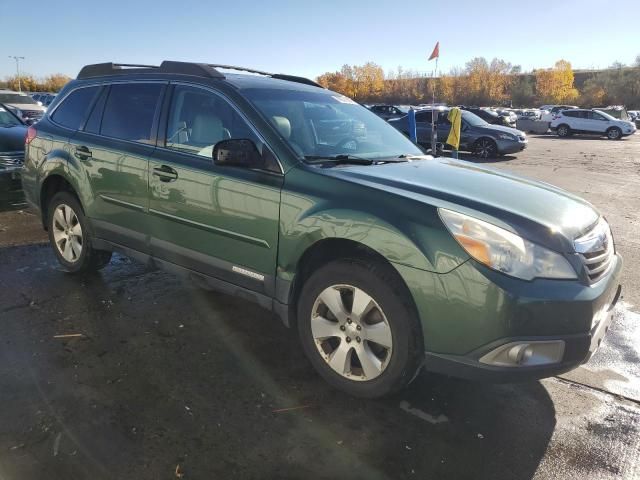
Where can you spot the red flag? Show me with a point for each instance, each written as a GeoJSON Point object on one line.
{"type": "Point", "coordinates": [436, 51]}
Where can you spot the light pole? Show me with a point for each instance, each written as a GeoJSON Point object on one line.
{"type": "Point", "coordinates": [17, 59]}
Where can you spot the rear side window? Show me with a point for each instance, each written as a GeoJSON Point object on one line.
{"type": "Point", "coordinates": [130, 110]}
{"type": "Point", "coordinates": [570, 113]}
{"type": "Point", "coordinates": [73, 109]}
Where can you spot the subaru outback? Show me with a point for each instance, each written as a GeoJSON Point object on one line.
{"type": "Point", "coordinates": [271, 188]}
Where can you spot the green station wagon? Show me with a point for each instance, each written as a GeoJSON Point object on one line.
{"type": "Point", "coordinates": [271, 188]}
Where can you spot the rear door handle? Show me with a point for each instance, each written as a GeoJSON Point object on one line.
{"type": "Point", "coordinates": [165, 173]}
{"type": "Point", "coordinates": [82, 152]}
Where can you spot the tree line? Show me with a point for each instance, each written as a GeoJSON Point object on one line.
{"type": "Point", "coordinates": [28, 83]}
{"type": "Point", "coordinates": [495, 82]}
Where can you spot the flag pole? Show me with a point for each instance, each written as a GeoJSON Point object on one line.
{"type": "Point", "coordinates": [434, 132]}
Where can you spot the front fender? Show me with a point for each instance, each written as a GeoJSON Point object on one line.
{"type": "Point", "coordinates": [318, 207]}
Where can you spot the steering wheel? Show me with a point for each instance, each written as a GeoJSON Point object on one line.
{"type": "Point", "coordinates": [348, 143]}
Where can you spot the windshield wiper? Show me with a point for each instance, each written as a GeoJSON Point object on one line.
{"type": "Point", "coordinates": [339, 159]}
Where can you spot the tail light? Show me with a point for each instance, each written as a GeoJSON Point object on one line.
{"type": "Point", "coordinates": [31, 134]}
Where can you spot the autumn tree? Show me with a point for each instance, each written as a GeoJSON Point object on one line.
{"type": "Point", "coordinates": [555, 85]}
{"type": "Point", "coordinates": [55, 82]}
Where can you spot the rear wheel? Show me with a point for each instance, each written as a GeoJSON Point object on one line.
{"type": "Point", "coordinates": [358, 329]}
{"type": "Point", "coordinates": [614, 133]}
{"type": "Point", "coordinates": [485, 148]}
{"type": "Point", "coordinates": [70, 237]}
{"type": "Point", "coordinates": [564, 131]}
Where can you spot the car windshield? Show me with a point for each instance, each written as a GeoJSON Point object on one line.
{"type": "Point", "coordinates": [472, 119]}
{"type": "Point", "coordinates": [16, 98]}
{"type": "Point", "coordinates": [7, 120]}
{"type": "Point", "coordinates": [325, 124]}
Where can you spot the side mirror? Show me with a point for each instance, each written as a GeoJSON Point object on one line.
{"type": "Point", "coordinates": [237, 153]}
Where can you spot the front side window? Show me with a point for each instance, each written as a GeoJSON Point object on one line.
{"type": "Point", "coordinates": [321, 124]}
{"type": "Point", "coordinates": [73, 109]}
{"type": "Point", "coordinates": [130, 110]}
{"type": "Point", "coordinates": [198, 119]}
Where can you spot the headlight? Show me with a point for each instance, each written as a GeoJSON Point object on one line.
{"type": "Point", "coordinates": [505, 251]}
{"type": "Point", "coordinates": [506, 136]}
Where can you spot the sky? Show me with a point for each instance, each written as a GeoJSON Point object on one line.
{"type": "Point", "coordinates": [311, 37]}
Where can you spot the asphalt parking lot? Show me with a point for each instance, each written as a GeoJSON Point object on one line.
{"type": "Point", "coordinates": [134, 374]}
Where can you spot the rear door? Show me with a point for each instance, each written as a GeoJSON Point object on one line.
{"type": "Point", "coordinates": [423, 126]}
{"type": "Point", "coordinates": [220, 221]}
{"type": "Point", "coordinates": [114, 148]}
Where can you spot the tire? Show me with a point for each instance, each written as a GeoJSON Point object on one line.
{"type": "Point", "coordinates": [70, 236]}
{"type": "Point", "coordinates": [614, 133]}
{"type": "Point", "coordinates": [564, 130]}
{"type": "Point", "coordinates": [485, 148]}
{"type": "Point", "coordinates": [360, 366]}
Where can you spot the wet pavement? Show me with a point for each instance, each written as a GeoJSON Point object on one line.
{"type": "Point", "coordinates": [169, 381]}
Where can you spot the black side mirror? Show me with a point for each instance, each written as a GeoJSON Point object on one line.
{"type": "Point", "coordinates": [237, 153]}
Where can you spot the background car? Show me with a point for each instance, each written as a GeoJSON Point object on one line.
{"type": "Point", "coordinates": [25, 107]}
{"type": "Point", "coordinates": [476, 135]}
{"type": "Point", "coordinates": [547, 114]}
{"type": "Point", "coordinates": [590, 121]}
{"type": "Point", "coordinates": [12, 134]}
{"type": "Point", "coordinates": [389, 111]}
{"type": "Point", "coordinates": [490, 116]}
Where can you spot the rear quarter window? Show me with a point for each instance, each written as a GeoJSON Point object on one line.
{"type": "Point", "coordinates": [73, 109]}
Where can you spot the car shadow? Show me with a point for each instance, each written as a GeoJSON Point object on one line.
{"type": "Point", "coordinates": [576, 137]}
{"type": "Point", "coordinates": [470, 157]}
{"type": "Point", "coordinates": [167, 377]}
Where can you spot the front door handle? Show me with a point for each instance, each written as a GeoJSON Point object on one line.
{"type": "Point", "coordinates": [82, 152]}
{"type": "Point", "coordinates": [165, 173]}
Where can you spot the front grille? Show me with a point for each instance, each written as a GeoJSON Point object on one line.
{"type": "Point", "coordinates": [32, 114]}
{"type": "Point", "coordinates": [597, 250]}
{"type": "Point", "coordinates": [11, 159]}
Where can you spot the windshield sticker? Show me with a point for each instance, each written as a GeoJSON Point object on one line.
{"type": "Point", "coordinates": [343, 99]}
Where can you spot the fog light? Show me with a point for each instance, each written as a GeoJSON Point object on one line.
{"type": "Point", "coordinates": [525, 354]}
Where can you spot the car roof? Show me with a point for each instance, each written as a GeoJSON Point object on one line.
{"type": "Point", "coordinates": [249, 78]}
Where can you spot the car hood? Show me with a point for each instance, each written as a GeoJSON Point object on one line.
{"type": "Point", "coordinates": [538, 211]}
{"type": "Point", "coordinates": [501, 128]}
{"type": "Point", "coordinates": [26, 106]}
{"type": "Point", "coordinates": [12, 138]}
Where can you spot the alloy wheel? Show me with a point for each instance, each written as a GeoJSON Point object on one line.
{"type": "Point", "coordinates": [613, 133]}
{"type": "Point", "coordinates": [67, 233]}
{"type": "Point", "coordinates": [485, 148]}
{"type": "Point", "coordinates": [351, 332]}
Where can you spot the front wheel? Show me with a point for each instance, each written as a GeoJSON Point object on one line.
{"type": "Point", "coordinates": [614, 133]}
{"type": "Point", "coordinates": [564, 131]}
{"type": "Point", "coordinates": [70, 237]}
{"type": "Point", "coordinates": [485, 148]}
{"type": "Point", "coordinates": [358, 329]}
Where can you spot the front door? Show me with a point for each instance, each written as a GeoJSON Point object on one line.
{"type": "Point", "coordinates": [220, 221]}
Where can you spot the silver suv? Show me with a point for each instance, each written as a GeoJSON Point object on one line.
{"type": "Point", "coordinates": [25, 107]}
{"type": "Point", "coordinates": [590, 121]}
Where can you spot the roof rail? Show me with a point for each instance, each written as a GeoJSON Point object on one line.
{"type": "Point", "coordinates": [279, 76]}
{"type": "Point", "coordinates": [183, 68]}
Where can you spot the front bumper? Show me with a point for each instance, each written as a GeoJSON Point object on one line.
{"type": "Point", "coordinates": [578, 347]}
{"type": "Point", "coordinates": [509, 146]}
